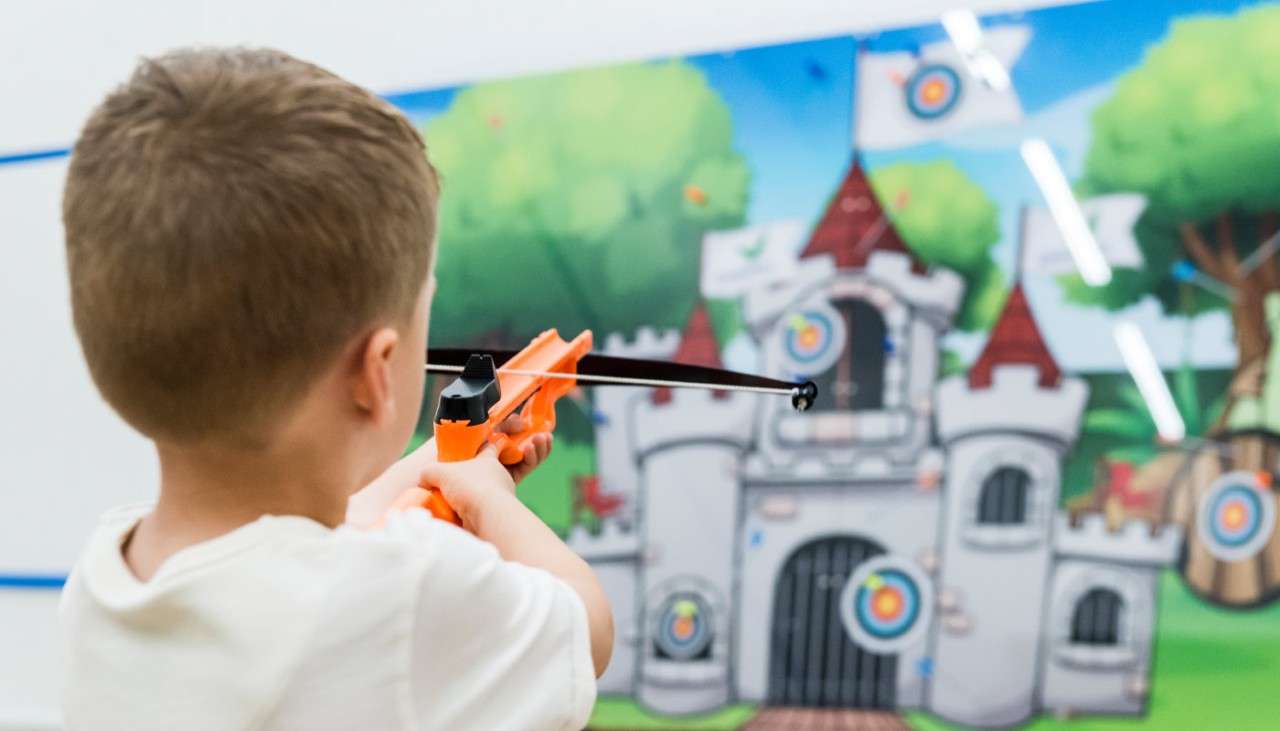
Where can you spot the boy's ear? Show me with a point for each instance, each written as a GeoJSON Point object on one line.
{"type": "Point", "coordinates": [371, 386]}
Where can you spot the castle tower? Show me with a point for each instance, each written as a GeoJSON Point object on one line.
{"type": "Point", "coordinates": [616, 465]}
{"type": "Point", "coordinates": [1101, 620]}
{"type": "Point", "coordinates": [841, 498]}
{"type": "Point", "coordinates": [862, 319]}
{"type": "Point", "coordinates": [689, 445]}
{"type": "Point", "coordinates": [1006, 428]}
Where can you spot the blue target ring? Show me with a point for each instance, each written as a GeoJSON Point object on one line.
{"type": "Point", "coordinates": [684, 627]}
{"type": "Point", "coordinates": [809, 337]}
{"type": "Point", "coordinates": [933, 90]}
{"type": "Point", "coordinates": [886, 605]}
{"type": "Point", "coordinates": [1236, 516]}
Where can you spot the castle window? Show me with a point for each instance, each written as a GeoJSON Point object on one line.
{"type": "Point", "coordinates": [1096, 619]}
{"type": "Point", "coordinates": [1004, 497]}
{"type": "Point", "coordinates": [856, 381]}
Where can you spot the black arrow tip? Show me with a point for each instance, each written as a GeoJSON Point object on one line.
{"type": "Point", "coordinates": [803, 395]}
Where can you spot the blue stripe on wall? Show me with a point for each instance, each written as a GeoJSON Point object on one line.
{"type": "Point", "coordinates": [34, 156]}
{"type": "Point", "coordinates": [32, 581]}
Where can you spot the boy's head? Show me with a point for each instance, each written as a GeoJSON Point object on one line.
{"type": "Point", "coordinates": [240, 223]}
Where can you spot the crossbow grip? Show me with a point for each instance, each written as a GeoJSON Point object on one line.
{"type": "Point", "coordinates": [483, 397]}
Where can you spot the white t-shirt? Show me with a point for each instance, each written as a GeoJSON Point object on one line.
{"type": "Point", "coordinates": [286, 624]}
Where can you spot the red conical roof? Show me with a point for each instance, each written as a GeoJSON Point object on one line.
{"type": "Point", "coordinates": [698, 347]}
{"type": "Point", "coordinates": [855, 225]}
{"type": "Point", "coordinates": [1015, 340]}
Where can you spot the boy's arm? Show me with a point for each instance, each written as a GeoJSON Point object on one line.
{"type": "Point", "coordinates": [366, 507]}
{"type": "Point", "coordinates": [483, 494]}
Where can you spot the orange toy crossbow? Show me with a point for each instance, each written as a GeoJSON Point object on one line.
{"type": "Point", "coordinates": [536, 377]}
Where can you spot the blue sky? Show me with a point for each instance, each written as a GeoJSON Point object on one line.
{"type": "Point", "coordinates": [792, 107]}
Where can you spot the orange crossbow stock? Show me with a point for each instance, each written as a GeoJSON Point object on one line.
{"type": "Point", "coordinates": [484, 395]}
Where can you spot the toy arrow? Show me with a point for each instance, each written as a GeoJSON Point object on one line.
{"type": "Point", "coordinates": [609, 370]}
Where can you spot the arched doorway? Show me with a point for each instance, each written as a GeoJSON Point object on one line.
{"type": "Point", "coordinates": [812, 661]}
{"type": "Point", "coordinates": [856, 381]}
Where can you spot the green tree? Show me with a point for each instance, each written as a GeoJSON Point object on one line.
{"type": "Point", "coordinates": [1196, 128]}
{"type": "Point", "coordinates": [579, 200]}
{"type": "Point", "coordinates": [1129, 428]}
{"type": "Point", "coordinates": [948, 221]}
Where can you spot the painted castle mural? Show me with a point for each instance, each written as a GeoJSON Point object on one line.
{"type": "Point", "coordinates": [989, 519]}
{"type": "Point", "coordinates": [901, 546]}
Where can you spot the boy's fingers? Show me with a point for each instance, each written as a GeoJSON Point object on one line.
{"type": "Point", "coordinates": [513, 424]}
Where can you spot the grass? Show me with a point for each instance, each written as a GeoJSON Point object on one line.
{"type": "Point", "coordinates": [624, 713]}
{"type": "Point", "coordinates": [1214, 669]}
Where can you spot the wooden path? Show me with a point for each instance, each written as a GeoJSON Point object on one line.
{"type": "Point", "coordinates": [825, 719]}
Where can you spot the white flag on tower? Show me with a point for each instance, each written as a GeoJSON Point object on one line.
{"type": "Point", "coordinates": [907, 98]}
{"type": "Point", "coordinates": [736, 261]}
{"type": "Point", "coordinates": [1111, 219]}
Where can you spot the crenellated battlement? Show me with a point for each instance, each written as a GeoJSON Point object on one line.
{"type": "Point", "coordinates": [646, 343]}
{"type": "Point", "coordinates": [614, 542]}
{"type": "Point", "coordinates": [1015, 402]}
{"type": "Point", "coordinates": [938, 292]}
{"type": "Point", "coordinates": [1134, 542]}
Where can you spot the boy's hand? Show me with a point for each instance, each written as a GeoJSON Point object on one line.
{"type": "Point", "coordinates": [370, 504]}
{"type": "Point", "coordinates": [474, 487]}
{"type": "Point", "coordinates": [535, 452]}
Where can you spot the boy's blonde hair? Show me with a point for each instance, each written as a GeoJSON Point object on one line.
{"type": "Point", "coordinates": [233, 218]}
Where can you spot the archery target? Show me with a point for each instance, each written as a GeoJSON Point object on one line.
{"type": "Point", "coordinates": [684, 626]}
{"type": "Point", "coordinates": [932, 91]}
{"type": "Point", "coordinates": [1236, 517]}
{"type": "Point", "coordinates": [812, 340]}
{"type": "Point", "coordinates": [887, 604]}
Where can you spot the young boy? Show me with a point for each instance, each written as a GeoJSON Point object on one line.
{"type": "Point", "coordinates": [250, 243]}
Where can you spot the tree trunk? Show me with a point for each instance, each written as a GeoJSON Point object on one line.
{"type": "Point", "coordinates": [1248, 315]}
{"type": "Point", "coordinates": [1250, 321]}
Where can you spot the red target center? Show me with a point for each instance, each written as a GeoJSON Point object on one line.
{"type": "Point", "coordinates": [808, 337]}
{"type": "Point", "coordinates": [933, 91]}
{"type": "Point", "coordinates": [886, 603]}
{"type": "Point", "coordinates": [1234, 515]}
{"type": "Point", "coordinates": [683, 627]}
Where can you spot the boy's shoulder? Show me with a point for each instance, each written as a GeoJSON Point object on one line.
{"type": "Point", "coordinates": [410, 545]}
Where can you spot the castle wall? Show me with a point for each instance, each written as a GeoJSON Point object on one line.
{"type": "Point", "coordinates": [985, 658]}
{"type": "Point", "coordinates": [1104, 677]}
{"type": "Point", "coordinates": [618, 578]}
{"type": "Point", "coordinates": [1099, 679]}
{"type": "Point", "coordinates": [995, 572]}
{"type": "Point", "coordinates": [616, 461]}
{"type": "Point", "coordinates": [690, 451]}
{"type": "Point", "coordinates": [778, 519]}
{"type": "Point", "coordinates": [614, 555]}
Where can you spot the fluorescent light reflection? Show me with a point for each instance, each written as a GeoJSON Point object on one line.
{"type": "Point", "coordinates": [1141, 363]}
{"type": "Point", "coordinates": [1066, 212]}
{"type": "Point", "coordinates": [966, 34]}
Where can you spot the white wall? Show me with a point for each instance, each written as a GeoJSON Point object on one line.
{"type": "Point", "coordinates": [63, 455]}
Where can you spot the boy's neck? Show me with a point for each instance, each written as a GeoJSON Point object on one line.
{"type": "Point", "coordinates": [207, 492]}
